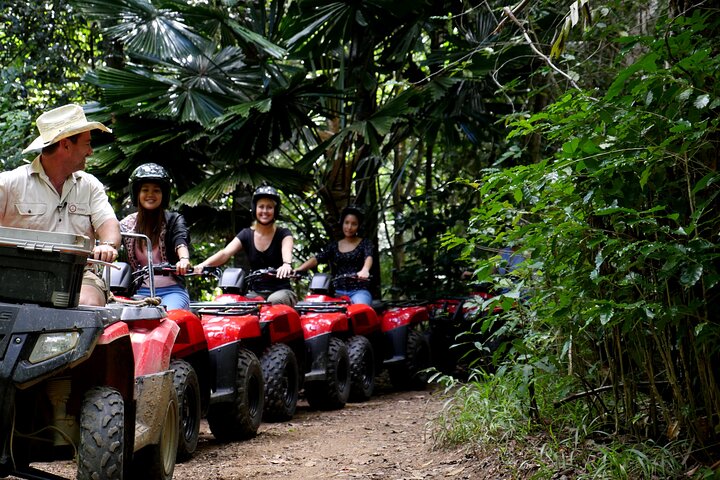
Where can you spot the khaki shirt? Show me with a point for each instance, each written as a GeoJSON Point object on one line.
{"type": "Point", "coordinates": [28, 200]}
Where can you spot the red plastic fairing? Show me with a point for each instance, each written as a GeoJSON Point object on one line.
{"type": "Point", "coordinates": [316, 297]}
{"type": "Point", "coordinates": [234, 298]}
{"type": "Point", "coordinates": [364, 319]}
{"type": "Point", "coordinates": [315, 324]}
{"type": "Point", "coordinates": [191, 338]}
{"type": "Point", "coordinates": [221, 330]}
{"type": "Point", "coordinates": [400, 316]}
{"type": "Point", "coordinates": [284, 323]}
{"type": "Point", "coordinates": [152, 347]}
{"type": "Point", "coordinates": [113, 332]}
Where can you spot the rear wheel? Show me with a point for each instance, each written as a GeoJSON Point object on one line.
{"type": "Point", "coordinates": [333, 392]}
{"type": "Point", "coordinates": [187, 387]}
{"type": "Point", "coordinates": [362, 368]}
{"type": "Point", "coordinates": [281, 374]}
{"type": "Point", "coordinates": [102, 441]}
{"type": "Point", "coordinates": [157, 462]}
{"type": "Point", "coordinates": [240, 419]}
{"type": "Point", "coordinates": [410, 374]}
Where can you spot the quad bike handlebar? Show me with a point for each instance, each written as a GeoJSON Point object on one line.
{"type": "Point", "coordinates": [167, 269]}
{"type": "Point", "coordinates": [267, 273]}
{"type": "Point", "coordinates": [349, 276]}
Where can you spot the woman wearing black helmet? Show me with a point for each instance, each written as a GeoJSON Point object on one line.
{"type": "Point", "coordinates": [266, 245]}
{"type": "Point", "coordinates": [350, 256]}
{"type": "Point", "coordinates": [168, 233]}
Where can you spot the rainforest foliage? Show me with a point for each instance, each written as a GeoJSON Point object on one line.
{"type": "Point", "coordinates": [582, 134]}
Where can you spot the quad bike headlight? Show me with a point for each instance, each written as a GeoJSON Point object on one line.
{"type": "Point", "coordinates": [51, 345]}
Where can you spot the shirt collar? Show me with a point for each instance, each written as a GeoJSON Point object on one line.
{"type": "Point", "coordinates": [37, 167]}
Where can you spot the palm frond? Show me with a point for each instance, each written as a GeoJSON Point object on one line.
{"type": "Point", "coordinates": [144, 28]}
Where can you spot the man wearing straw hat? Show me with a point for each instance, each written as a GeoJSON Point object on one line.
{"type": "Point", "coordinates": [54, 193]}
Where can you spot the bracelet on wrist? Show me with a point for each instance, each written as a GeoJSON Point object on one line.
{"type": "Point", "coordinates": [184, 258]}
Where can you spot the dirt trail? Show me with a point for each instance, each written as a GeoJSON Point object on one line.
{"type": "Point", "coordinates": [384, 438]}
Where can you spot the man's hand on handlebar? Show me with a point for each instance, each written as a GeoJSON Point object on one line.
{"type": "Point", "coordinates": [105, 252]}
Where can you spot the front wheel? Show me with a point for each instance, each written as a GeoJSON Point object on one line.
{"type": "Point", "coordinates": [282, 382]}
{"type": "Point", "coordinates": [333, 392]}
{"type": "Point", "coordinates": [157, 462]}
{"type": "Point", "coordinates": [411, 373]}
{"type": "Point", "coordinates": [102, 435]}
{"type": "Point", "coordinates": [362, 368]}
{"type": "Point", "coordinates": [240, 419]}
{"type": "Point", "coordinates": [187, 387]}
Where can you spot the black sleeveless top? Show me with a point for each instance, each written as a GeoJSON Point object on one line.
{"type": "Point", "coordinates": [270, 258]}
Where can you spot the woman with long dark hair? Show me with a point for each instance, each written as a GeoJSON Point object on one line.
{"type": "Point", "coordinates": [168, 233]}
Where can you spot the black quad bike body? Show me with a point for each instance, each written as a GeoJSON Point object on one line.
{"type": "Point", "coordinates": [71, 386]}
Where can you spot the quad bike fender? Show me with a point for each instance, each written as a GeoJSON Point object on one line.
{"type": "Point", "coordinates": [191, 337]}
{"type": "Point", "coordinates": [223, 365]}
{"type": "Point", "coordinates": [114, 332]}
{"type": "Point", "coordinates": [153, 347]}
{"type": "Point", "coordinates": [396, 345]}
{"type": "Point", "coordinates": [316, 324]}
{"type": "Point", "coordinates": [227, 330]}
{"type": "Point", "coordinates": [152, 395]}
{"type": "Point", "coordinates": [316, 350]}
{"type": "Point", "coordinates": [397, 317]}
{"type": "Point", "coordinates": [281, 322]}
{"type": "Point", "coordinates": [363, 319]}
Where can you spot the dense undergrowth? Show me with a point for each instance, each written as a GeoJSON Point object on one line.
{"type": "Point", "coordinates": [611, 370]}
{"type": "Point", "coordinates": [491, 413]}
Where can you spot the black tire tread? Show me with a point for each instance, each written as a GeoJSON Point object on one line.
{"type": "Point", "coordinates": [102, 435]}
{"type": "Point", "coordinates": [333, 393]}
{"type": "Point", "coordinates": [362, 368]}
{"type": "Point", "coordinates": [281, 373]}
{"type": "Point", "coordinates": [187, 386]}
{"type": "Point", "coordinates": [241, 419]}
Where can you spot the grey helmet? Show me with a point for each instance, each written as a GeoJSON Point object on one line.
{"type": "Point", "coordinates": [265, 191]}
{"type": "Point", "coordinates": [150, 173]}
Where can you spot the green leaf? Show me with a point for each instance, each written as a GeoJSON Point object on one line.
{"type": "Point", "coordinates": [691, 274]}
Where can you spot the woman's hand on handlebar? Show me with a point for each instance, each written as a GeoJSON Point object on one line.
{"type": "Point", "coordinates": [363, 274]}
{"type": "Point", "coordinates": [284, 271]}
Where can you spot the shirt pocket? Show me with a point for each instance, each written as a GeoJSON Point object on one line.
{"type": "Point", "coordinates": [31, 210]}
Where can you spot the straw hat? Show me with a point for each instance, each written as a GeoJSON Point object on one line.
{"type": "Point", "coordinates": [60, 123]}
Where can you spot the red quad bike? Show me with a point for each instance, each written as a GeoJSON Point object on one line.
{"type": "Point", "coordinates": [74, 380]}
{"type": "Point", "coordinates": [271, 332]}
{"type": "Point", "coordinates": [385, 336]}
{"type": "Point", "coordinates": [464, 332]}
{"type": "Point", "coordinates": [326, 327]}
{"type": "Point", "coordinates": [212, 376]}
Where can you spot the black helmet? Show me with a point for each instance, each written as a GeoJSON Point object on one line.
{"type": "Point", "coordinates": [352, 210]}
{"type": "Point", "coordinates": [150, 173]}
{"type": "Point", "coordinates": [265, 191]}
